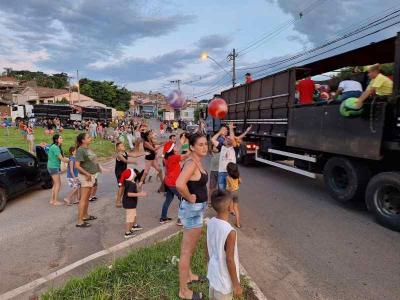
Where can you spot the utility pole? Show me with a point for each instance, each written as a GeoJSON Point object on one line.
{"type": "Point", "coordinates": [178, 81]}
{"type": "Point", "coordinates": [232, 57]}
{"type": "Point", "coordinates": [79, 88]}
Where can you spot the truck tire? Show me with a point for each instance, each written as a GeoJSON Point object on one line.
{"type": "Point", "coordinates": [3, 199]}
{"type": "Point", "coordinates": [346, 179]}
{"type": "Point", "coordinates": [383, 199]}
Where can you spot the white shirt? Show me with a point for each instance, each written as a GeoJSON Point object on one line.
{"type": "Point", "coordinates": [350, 86]}
{"type": "Point", "coordinates": [218, 274]}
{"type": "Point", "coordinates": [227, 155]}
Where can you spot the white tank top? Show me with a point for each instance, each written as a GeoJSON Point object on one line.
{"type": "Point", "coordinates": [218, 274]}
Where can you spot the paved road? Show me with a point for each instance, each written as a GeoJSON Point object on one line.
{"type": "Point", "coordinates": [298, 243]}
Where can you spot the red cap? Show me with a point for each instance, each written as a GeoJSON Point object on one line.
{"type": "Point", "coordinates": [128, 174]}
{"type": "Point", "coordinates": [168, 147]}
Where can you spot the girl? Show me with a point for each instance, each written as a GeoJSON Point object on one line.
{"type": "Point", "coordinates": [172, 161]}
{"type": "Point", "coordinates": [88, 167]}
{"type": "Point", "coordinates": [232, 185]}
{"type": "Point", "coordinates": [55, 157]}
{"type": "Point", "coordinates": [192, 185]}
{"type": "Point", "coordinates": [183, 138]}
{"type": "Point", "coordinates": [150, 159]}
{"type": "Point", "coordinates": [73, 181]}
{"type": "Point", "coordinates": [30, 138]}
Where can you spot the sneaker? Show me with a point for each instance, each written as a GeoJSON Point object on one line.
{"type": "Point", "coordinates": [136, 227]}
{"type": "Point", "coordinates": [92, 199]}
{"type": "Point", "coordinates": [129, 234]}
{"type": "Point", "coordinates": [163, 220]}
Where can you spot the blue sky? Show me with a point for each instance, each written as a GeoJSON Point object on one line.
{"type": "Point", "coordinates": [145, 44]}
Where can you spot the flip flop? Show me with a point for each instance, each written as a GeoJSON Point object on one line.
{"type": "Point", "coordinates": [83, 225]}
{"type": "Point", "coordinates": [58, 203]}
{"type": "Point", "coordinates": [91, 218]}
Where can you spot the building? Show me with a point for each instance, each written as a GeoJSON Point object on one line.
{"type": "Point", "coordinates": [37, 95]}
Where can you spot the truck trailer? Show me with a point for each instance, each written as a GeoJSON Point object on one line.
{"type": "Point", "coordinates": [358, 157]}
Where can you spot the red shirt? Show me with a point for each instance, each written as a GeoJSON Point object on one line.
{"type": "Point", "coordinates": [172, 169]}
{"type": "Point", "coordinates": [306, 90]}
{"type": "Point", "coordinates": [161, 126]}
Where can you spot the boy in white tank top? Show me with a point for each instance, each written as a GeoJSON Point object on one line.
{"type": "Point", "coordinates": [223, 258]}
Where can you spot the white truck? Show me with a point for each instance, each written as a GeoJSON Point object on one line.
{"type": "Point", "coordinates": [21, 112]}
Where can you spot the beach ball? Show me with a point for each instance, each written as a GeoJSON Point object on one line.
{"type": "Point", "coordinates": [176, 99]}
{"type": "Point", "coordinates": [218, 108]}
{"type": "Point", "coordinates": [348, 108]}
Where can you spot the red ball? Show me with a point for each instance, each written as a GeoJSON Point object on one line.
{"type": "Point", "coordinates": [218, 108]}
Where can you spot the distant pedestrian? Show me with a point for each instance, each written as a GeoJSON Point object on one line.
{"type": "Point", "coordinates": [151, 147]}
{"type": "Point", "coordinates": [162, 126]}
{"type": "Point", "coordinates": [248, 78]}
{"type": "Point", "coordinates": [72, 177]}
{"type": "Point", "coordinates": [55, 157]}
{"type": "Point", "coordinates": [88, 167]}
{"type": "Point", "coordinates": [129, 191]}
{"type": "Point", "coordinates": [192, 185]}
{"type": "Point", "coordinates": [223, 257]}
{"type": "Point", "coordinates": [232, 185]}
{"type": "Point", "coordinates": [30, 138]}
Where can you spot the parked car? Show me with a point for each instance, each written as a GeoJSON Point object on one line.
{"type": "Point", "coordinates": [20, 171]}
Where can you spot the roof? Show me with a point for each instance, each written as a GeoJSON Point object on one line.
{"type": "Point", "coordinates": [8, 78]}
{"type": "Point", "coordinates": [44, 92]}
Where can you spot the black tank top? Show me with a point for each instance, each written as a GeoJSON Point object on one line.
{"type": "Point", "coordinates": [199, 188]}
{"type": "Point", "coordinates": [120, 166]}
{"type": "Point", "coordinates": [152, 153]}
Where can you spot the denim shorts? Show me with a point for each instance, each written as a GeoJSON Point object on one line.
{"type": "Point", "coordinates": [54, 171]}
{"type": "Point", "coordinates": [222, 180]}
{"type": "Point", "coordinates": [192, 214]}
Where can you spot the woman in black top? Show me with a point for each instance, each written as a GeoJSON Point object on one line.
{"type": "Point", "coordinates": [150, 159]}
{"type": "Point", "coordinates": [192, 185]}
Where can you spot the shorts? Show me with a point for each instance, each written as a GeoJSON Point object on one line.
{"type": "Point", "coordinates": [30, 137]}
{"type": "Point", "coordinates": [192, 214]}
{"type": "Point", "coordinates": [54, 171]}
{"type": "Point", "coordinates": [222, 180]}
{"type": "Point", "coordinates": [85, 183]}
{"type": "Point", "coordinates": [215, 295]}
{"type": "Point", "coordinates": [130, 215]}
{"type": "Point", "coordinates": [74, 183]}
{"type": "Point", "coordinates": [213, 180]}
{"type": "Point", "coordinates": [235, 197]}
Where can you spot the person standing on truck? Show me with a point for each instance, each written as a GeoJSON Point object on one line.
{"type": "Point", "coordinates": [248, 78]}
{"type": "Point", "coordinates": [306, 88]}
{"type": "Point", "coordinates": [379, 85]}
{"type": "Point", "coordinates": [349, 88]}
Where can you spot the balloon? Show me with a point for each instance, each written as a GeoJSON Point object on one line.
{"type": "Point", "coordinates": [218, 108]}
{"type": "Point", "coordinates": [348, 108]}
{"type": "Point", "coordinates": [176, 99]}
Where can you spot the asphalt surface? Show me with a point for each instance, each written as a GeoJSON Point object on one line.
{"type": "Point", "coordinates": [296, 242]}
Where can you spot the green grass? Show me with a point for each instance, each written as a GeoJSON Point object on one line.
{"type": "Point", "coordinates": [147, 273]}
{"type": "Point", "coordinates": [102, 148]}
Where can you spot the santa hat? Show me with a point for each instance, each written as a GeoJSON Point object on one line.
{"type": "Point", "coordinates": [168, 147]}
{"type": "Point", "coordinates": [128, 174]}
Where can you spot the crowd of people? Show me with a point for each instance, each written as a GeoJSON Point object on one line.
{"type": "Point", "coordinates": [180, 167]}
{"type": "Point", "coordinates": [371, 82]}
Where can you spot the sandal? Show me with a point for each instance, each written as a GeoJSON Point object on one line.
{"type": "Point", "coordinates": [91, 218]}
{"type": "Point", "coordinates": [195, 296]}
{"type": "Point", "coordinates": [83, 225]}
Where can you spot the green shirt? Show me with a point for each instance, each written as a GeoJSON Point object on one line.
{"type": "Point", "coordinates": [53, 162]}
{"type": "Point", "coordinates": [88, 160]}
{"type": "Point", "coordinates": [185, 147]}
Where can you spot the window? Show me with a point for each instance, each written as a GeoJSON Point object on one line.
{"type": "Point", "coordinates": [18, 153]}
{"type": "Point", "coordinates": [6, 160]}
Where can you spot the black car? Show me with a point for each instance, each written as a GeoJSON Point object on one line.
{"type": "Point", "coordinates": [21, 171]}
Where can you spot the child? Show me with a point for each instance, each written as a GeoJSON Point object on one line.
{"type": "Point", "coordinates": [73, 181]}
{"type": "Point", "coordinates": [232, 185]}
{"type": "Point", "coordinates": [222, 252]}
{"type": "Point", "coordinates": [214, 165]}
{"type": "Point", "coordinates": [129, 192]}
{"type": "Point", "coordinates": [227, 156]}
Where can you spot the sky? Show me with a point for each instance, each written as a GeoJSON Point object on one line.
{"type": "Point", "coordinates": [145, 44]}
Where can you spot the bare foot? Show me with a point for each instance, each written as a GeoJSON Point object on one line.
{"type": "Point", "coordinates": [57, 203]}
{"type": "Point", "coordinates": [67, 202]}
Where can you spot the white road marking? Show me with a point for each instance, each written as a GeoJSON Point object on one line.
{"type": "Point", "coordinates": [34, 284]}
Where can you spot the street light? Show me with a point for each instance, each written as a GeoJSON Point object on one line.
{"type": "Point", "coordinates": [204, 56]}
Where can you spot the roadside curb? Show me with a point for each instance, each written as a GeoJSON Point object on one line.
{"type": "Point", "coordinates": [257, 292]}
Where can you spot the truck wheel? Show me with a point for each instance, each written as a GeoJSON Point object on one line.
{"type": "Point", "coordinates": [383, 199]}
{"type": "Point", "coordinates": [3, 199]}
{"type": "Point", "coordinates": [345, 179]}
